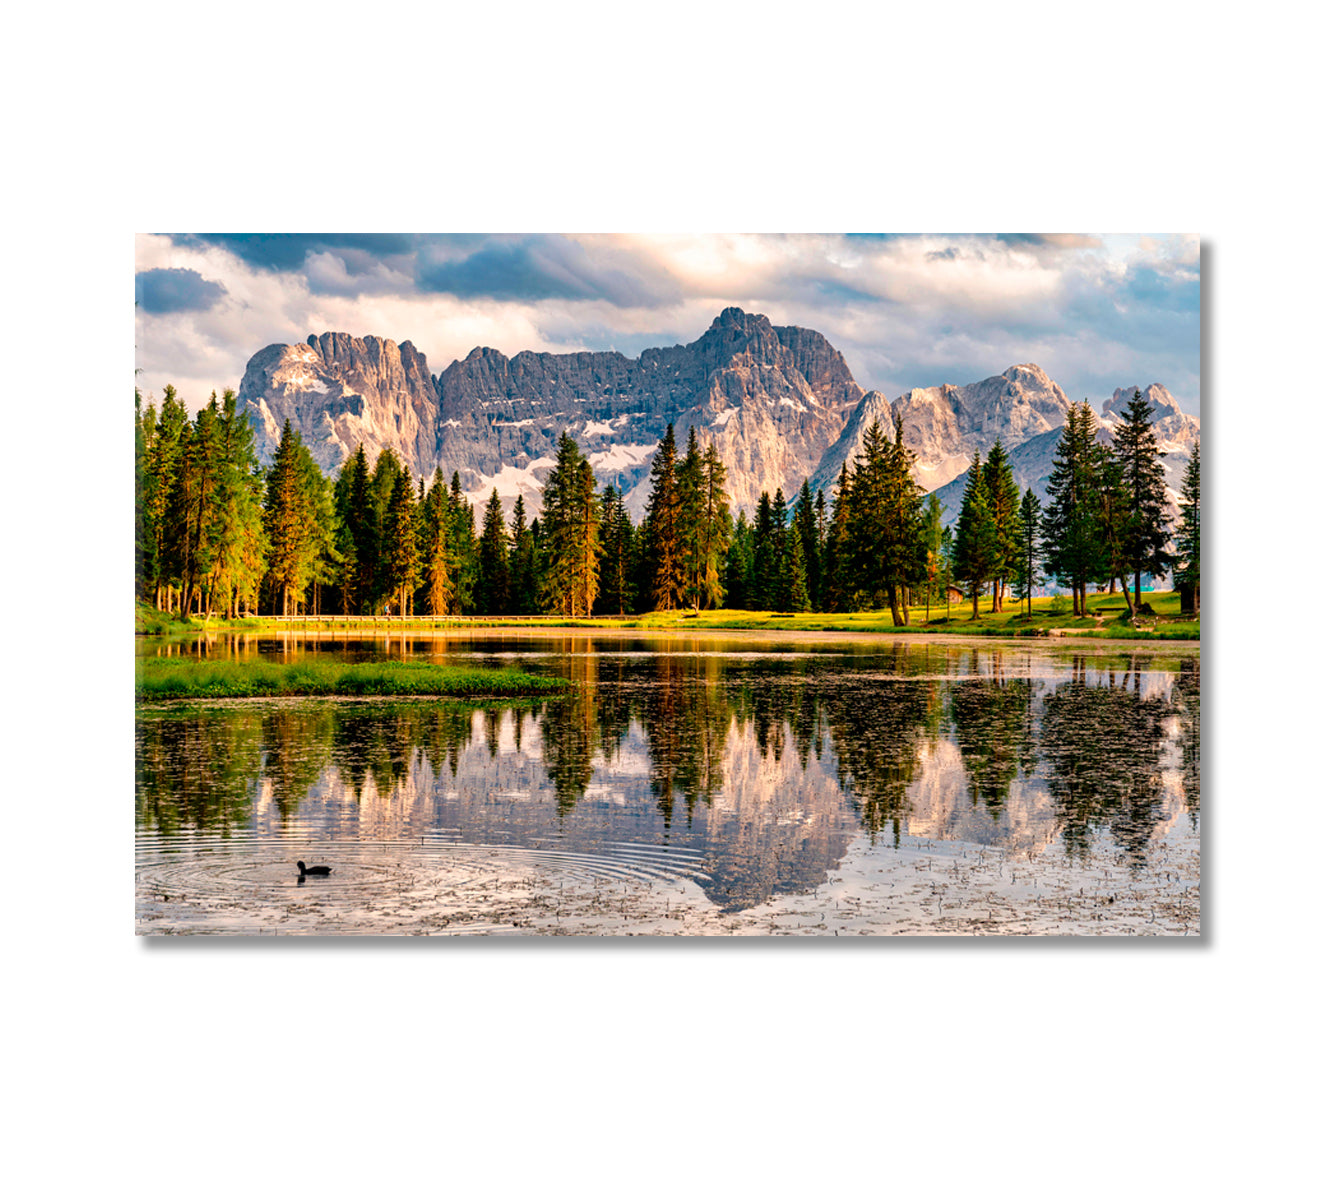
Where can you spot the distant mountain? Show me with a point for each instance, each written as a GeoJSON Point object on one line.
{"type": "Point", "coordinates": [945, 424]}
{"type": "Point", "coordinates": [1031, 461]}
{"type": "Point", "coordinates": [771, 398]}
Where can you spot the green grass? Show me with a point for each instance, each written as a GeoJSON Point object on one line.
{"type": "Point", "coordinates": [189, 678]}
{"type": "Point", "coordinates": [1050, 614]}
{"type": "Point", "coordinates": [1107, 620]}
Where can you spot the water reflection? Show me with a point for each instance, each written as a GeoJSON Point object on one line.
{"type": "Point", "coordinates": [762, 764]}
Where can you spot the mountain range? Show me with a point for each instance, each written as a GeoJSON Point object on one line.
{"type": "Point", "coordinates": [779, 402]}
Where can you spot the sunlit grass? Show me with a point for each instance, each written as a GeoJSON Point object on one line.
{"type": "Point", "coordinates": [188, 678]}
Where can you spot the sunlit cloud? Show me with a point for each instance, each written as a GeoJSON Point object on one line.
{"type": "Point", "coordinates": [1095, 311]}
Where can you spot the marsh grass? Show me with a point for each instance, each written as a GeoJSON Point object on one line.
{"type": "Point", "coordinates": [190, 678]}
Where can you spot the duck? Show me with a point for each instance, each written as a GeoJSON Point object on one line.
{"type": "Point", "coordinates": [305, 870]}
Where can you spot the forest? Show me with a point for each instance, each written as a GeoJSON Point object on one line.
{"type": "Point", "coordinates": [218, 533]}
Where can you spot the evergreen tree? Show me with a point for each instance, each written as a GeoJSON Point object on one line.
{"type": "Point", "coordinates": [493, 561]}
{"type": "Point", "coordinates": [1189, 534]}
{"type": "Point", "coordinates": [739, 573]}
{"type": "Point", "coordinates": [289, 524]}
{"type": "Point", "coordinates": [570, 520]}
{"type": "Point", "coordinates": [663, 529]}
{"type": "Point", "coordinates": [616, 574]}
{"type": "Point", "coordinates": [1005, 507]}
{"type": "Point", "coordinates": [717, 527]}
{"type": "Point", "coordinates": [1148, 524]}
{"type": "Point", "coordinates": [804, 521]}
{"type": "Point", "coordinates": [439, 560]}
{"type": "Point", "coordinates": [403, 564]}
{"type": "Point", "coordinates": [837, 571]}
{"type": "Point", "coordinates": [795, 593]}
{"type": "Point", "coordinates": [690, 490]}
{"type": "Point", "coordinates": [931, 541]}
{"type": "Point", "coordinates": [237, 532]}
{"type": "Point", "coordinates": [821, 533]}
{"type": "Point", "coordinates": [523, 562]}
{"type": "Point", "coordinates": [163, 432]}
{"type": "Point", "coordinates": [463, 545]}
{"type": "Point", "coordinates": [766, 586]}
{"type": "Point", "coordinates": [975, 544]}
{"type": "Point", "coordinates": [1074, 549]}
{"type": "Point", "coordinates": [1028, 564]}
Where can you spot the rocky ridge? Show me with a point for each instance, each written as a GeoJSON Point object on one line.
{"type": "Point", "coordinates": [770, 398]}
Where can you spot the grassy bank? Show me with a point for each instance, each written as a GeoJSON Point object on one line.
{"type": "Point", "coordinates": [190, 678]}
{"type": "Point", "coordinates": [1051, 617]}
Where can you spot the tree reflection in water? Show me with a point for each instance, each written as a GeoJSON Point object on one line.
{"type": "Point", "coordinates": [1102, 750]}
{"type": "Point", "coordinates": [676, 732]}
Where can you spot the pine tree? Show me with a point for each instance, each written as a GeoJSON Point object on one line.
{"type": "Point", "coordinates": [463, 545]}
{"type": "Point", "coordinates": [975, 543]}
{"type": "Point", "coordinates": [663, 532]}
{"type": "Point", "coordinates": [1148, 528]}
{"type": "Point", "coordinates": [439, 561]}
{"type": "Point", "coordinates": [804, 521]}
{"type": "Point", "coordinates": [1189, 533]}
{"type": "Point", "coordinates": [523, 562]}
{"type": "Point", "coordinates": [765, 591]}
{"type": "Point", "coordinates": [493, 561]}
{"type": "Point", "coordinates": [403, 557]}
{"type": "Point", "coordinates": [739, 573]}
{"type": "Point", "coordinates": [690, 489]}
{"type": "Point", "coordinates": [570, 522]}
{"type": "Point", "coordinates": [616, 574]}
{"type": "Point", "coordinates": [838, 557]}
{"type": "Point", "coordinates": [163, 433]}
{"type": "Point", "coordinates": [288, 523]}
{"type": "Point", "coordinates": [717, 526]}
{"type": "Point", "coordinates": [1028, 564]}
{"type": "Point", "coordinates": [1005, 506]}
{"type": "Point", "coordinates": [795, 594]}
{"type": "Point", "coordinates": [1074, 552]}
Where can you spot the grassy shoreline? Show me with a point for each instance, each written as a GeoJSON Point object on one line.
{"type": "Point", "coordinates": [1051, 619]}
{"type": "Point", "coordinates": [194, 679]}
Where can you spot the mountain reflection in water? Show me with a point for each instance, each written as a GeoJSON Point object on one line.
{"type": "Point", "coordinates": [761, 767]}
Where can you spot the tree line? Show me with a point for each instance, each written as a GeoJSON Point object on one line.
{"type": "Point", "coordinates": [216, 532]}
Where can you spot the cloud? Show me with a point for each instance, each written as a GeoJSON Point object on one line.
{"type": "Point", "coordinates": [906, 310]}
{"type": "Point", "coordinates": [288, 251]}
{"type": "Point", "coordinates": [175, 289]}
{"type": "Point", "coordinates": [546, 267]}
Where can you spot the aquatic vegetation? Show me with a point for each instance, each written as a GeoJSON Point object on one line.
{"type": "Point", "coordinates": [191, 678]}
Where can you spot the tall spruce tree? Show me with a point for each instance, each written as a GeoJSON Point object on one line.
{"type": "Point", "coordinates": [403, 566]}
{"type": "Point", "coordinates": [717, 527]}
{"type": "Point", "coordinates": [1028, 563]}
{"type": "Point", "coordinates": [1190, 535]}
{"type": "Point", "coordinates": [569, 571]}
{"type": "Point", "coordinates": [804, 521]}
{"type": "Point", "coordinates": [1074, 547]}
{"type": "Point", "coordinates": [523, 561]}
{"type": "Point", "coordinates": [975, 544]}
{"type": "Point", "coordinates": [1005, 506]}
{"type": "Point", "coordinates": [690, 485]}
{"type": "Point", "coordinates": [767, 558]}
{"type": "Point", "coordinates": [616, 573]}
{"type": "Point", "coordinates": [493, 561]}
{"type": "Point", "coordinates": [1148, 518]}
{"type": "Point", "coordinates": [664, 550]}
{"type": "Point", "coordinates": [837, 569]}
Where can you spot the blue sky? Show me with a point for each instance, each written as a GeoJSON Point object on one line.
{"type": "Point", "coordinates": [1096, 312]}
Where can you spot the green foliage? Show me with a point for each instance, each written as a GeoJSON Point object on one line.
{"type": "Point", "coordinates": [182, 678]}
{"type": "Point", "coordinates": [570, 526]}
{"type": "Point", "coordinates": [1189, 531]}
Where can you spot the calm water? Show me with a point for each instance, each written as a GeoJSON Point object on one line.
{"type": "Point", "coordinates": [689, 784]}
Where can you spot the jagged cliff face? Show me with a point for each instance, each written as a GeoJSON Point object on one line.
{"type": "Point", "coordinates": [771, 399]}
{"type": "Point", "coordinates": [944, 425]}
{"type": "Point", "coordinates": [339, 391]}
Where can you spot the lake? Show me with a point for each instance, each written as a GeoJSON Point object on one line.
{"type": "Point", "coordinates": [827, 785]}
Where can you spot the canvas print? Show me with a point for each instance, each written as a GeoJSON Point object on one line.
{"type": "Point", "coordinates": [607, 585]}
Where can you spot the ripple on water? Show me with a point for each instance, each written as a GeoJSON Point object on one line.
{"type": "Point", "coordinates": [252, 885]}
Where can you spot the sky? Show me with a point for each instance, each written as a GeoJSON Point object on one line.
{"type": "Point", "coordinates": [1096, 312]}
